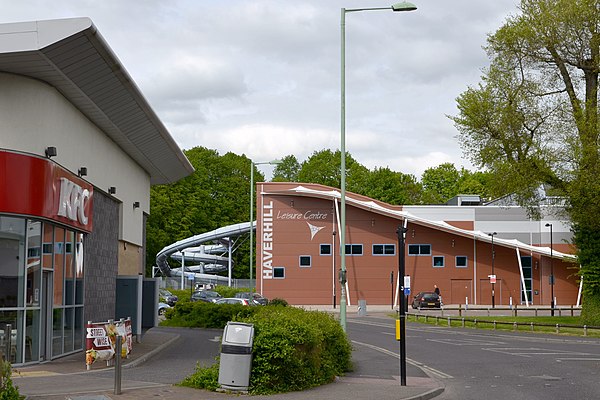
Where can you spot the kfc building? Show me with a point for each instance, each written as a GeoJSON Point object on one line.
{"type": "Point", "coordinates": [80, 148]}
{"type": "Point", "coordinates": [466, 249]}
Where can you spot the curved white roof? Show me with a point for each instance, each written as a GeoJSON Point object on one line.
{"type": "Point", "coordinates": [72, 56]}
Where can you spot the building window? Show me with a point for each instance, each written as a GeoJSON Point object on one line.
{"type": "Point", "coordinates": [438, 261]}
{"type": "Point", "coordinates": [305, 261]}
{"type": "Point", "coordinates": [354, 249]}
{"type": "Point", "coordinates": [278, 272]}
{"type": "Point", "coordinates": [419, 249]}
{"type": "Point", "coordinates": [384, 249]}
{"type": "Point", "coordinates": [461, 261]}
{"type": "Point", "coordinates": [325, 250]}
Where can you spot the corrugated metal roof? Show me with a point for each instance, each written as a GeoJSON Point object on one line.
{"type": "Point", "coordinates": [72, 56]}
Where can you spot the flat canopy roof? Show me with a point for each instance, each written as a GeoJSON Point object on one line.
{"type": "Point", "coordinates": [71, 55]}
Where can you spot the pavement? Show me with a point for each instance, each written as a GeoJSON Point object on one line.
{"type": "Point", "coordinates": [68, 378]}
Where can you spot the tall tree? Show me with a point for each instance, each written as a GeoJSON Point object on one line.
{"type": "Point", "coordinates": [288, 170]}
{"type": "Point", "coordinates": [212, 197]}
{"type": "Point", "coordinates": [392, 187]}
{"type": "Point", "coordinates": [323, 167]}
{"type": "Point", "coordinates": [534, 118]}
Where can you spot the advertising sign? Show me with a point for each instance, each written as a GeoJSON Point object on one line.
{"type": "Point", "coordinates": [101, 340]}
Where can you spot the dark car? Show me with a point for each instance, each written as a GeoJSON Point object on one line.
{"type": "Point", "coordinates": [426, 300]}
{"type": "Point", "coordinates": [207, 296]}
{"type": "Point", "coordinates": [167, 297]}
{"type": "Point", "coordinates": [263, 301]}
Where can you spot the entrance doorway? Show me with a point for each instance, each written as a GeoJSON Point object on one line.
{"type": "Point", "coordinates": [461, 291]}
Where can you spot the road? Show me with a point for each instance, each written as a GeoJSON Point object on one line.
{"type": "Point", "coordinates": [490, 365]}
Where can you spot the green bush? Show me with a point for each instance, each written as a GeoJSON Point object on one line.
{"type": "Point", "coordinates": [293, 350]}
{"type": "Point", "coordinates": [205, 315]}
{"type": "Point", "coordinates": [7, 390]}
{"type": "Point", "coordinates": [204, 378]}
{"type": "Point", "coordinates": [278, 302]}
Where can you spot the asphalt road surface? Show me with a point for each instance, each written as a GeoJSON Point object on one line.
{"type": "Point", "coordinates": [490, 365]}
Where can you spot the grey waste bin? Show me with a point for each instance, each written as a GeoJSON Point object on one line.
{"type": "Point", "coordinates": [236, 356]}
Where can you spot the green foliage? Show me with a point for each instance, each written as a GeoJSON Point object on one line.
{"type": "Point", "coordinates": [206, 200]}
{"type": "Point", "coordinates": [534, 118]}
{"type": "Point", "coordinates": [392, 187]}
{"type": "Point", "coordinates": [205, 315]}
{"type": "Point", "coordinates": [293, 349]}
{"type": "Point", "coordinates": [7, 390]}
{"type": "Point", "coordinates": [203, 378]}
{"type": "Point", "coordinates": [296, 349]}
{"type": "Point", "coordinates": [287, 171]}
{"type": "Point", "coordinates": [278, 302]}
{"type": "Point", "coordinates": [443, 182]}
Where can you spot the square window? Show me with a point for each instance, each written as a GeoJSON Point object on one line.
{"type": "Point", "coordinates": [419, 249]}
{"type": "Point", "coordinates": [384, 249]}
{"type": "Point", "coordinates": [438, 261]}
{"type": "Point", "coordinates": [461, 261]}
{"type": "Point", "coordinates": [278, 272]}
{"type": "Point", "coordinates": [305, 261]}
{"type": "Point", "coordinates": [354, 249]}
{"type": "Point", "coordinates": [325, 249]}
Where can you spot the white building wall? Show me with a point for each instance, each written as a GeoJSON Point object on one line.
{"type": "Point", "coordinates": [34, 115]}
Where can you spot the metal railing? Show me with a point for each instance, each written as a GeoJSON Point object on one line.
{"type": "Point", "coordinates": [516, 326]}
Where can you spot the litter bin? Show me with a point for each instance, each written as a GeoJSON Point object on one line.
{"type": "Point", "coordinates": [236, 356]}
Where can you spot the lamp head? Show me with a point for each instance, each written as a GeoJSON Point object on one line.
{"type": "Point", "coordinates": [548, 225]}
{"type": "Point", "coordinates": [404, 6]}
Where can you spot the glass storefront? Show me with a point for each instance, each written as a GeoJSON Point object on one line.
{"type": "Point", "coordinates": [41, 290]}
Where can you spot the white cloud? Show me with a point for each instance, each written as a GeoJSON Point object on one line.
{"type": "Point", "coordinates": [262, 77]}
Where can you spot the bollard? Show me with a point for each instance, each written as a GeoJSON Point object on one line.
{"type": "Point", "coordinates": [463, 322]}
{"type": "Point", "coordinates": [449, 322]}
{"type": "Point", "coordinates": [585, 330]}
{"type": "Point", "coordinates": [460, 310]}
{"type": "Point", "coordinates": [494, 324]}
{"type": "Point", "coordinates": [118, 365]}
{"type": "Point", "coordinates": [516, 309]}
{"type": "Point", "coordinates": [488, 310]}
{"type": "Point", "coordinates": [557, 329]}
{"type": "Point", "coordinates": [532, 327]}
{"type": "Point", "coordinates": [536, 311]}
{"type": "Point", "coordinates": [510, 304]}
{"type": "Point", "coordinates": [475, 322]}
{"type": "Point", "coordinates": [559, 312]}
{"type": "Point", "coordinates": [466, 303]}
{"type": "Point", "coordinates": [571, 310]}
{"type": "Point", "coordinates": [515, 326]}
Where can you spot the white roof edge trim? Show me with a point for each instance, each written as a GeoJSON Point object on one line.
{"type": "Point", "coordinates": [479, 235]}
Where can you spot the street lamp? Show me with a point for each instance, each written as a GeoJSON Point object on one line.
{"type": "Point", "coordinates": [402, 6]}
{"type": "Point", "coordinates": [551, 272]}
{"type": "Point", "coordinates": [493, 276]}
{"type": "Point", "coordinates": [252, 164]}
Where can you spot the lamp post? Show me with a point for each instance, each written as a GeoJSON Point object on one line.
{"type": "Point", "coordinates": [551, 272]}
{"type": "Point", "coordinates": [493, 277]}
{"type": "Point", "coordinates": [402, 6]}
{"type": "Point", "coordinates": [252, 164]}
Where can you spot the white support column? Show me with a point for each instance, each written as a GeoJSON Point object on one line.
{"type": "Point", "coordinates": [580, 289]}
{"type": "Point", "coordinates": [523, 287]}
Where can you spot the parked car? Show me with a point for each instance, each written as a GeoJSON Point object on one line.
{"type": "Point", "coordinates": [208, 296]}
{"type": "Point", "coordinates": [426, 300]}
{"type": "Point", "coordinates": [263, 301]}
{"type": "Point", "coordinates": [167, 297]}
{"type": "Point", "coordinates": [236, 300]}
{"type": "Point", "coordinates": [162, 308]}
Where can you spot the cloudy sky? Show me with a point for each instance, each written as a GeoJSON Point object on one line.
{"type": "Point", "coordinates": [262, 77]}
